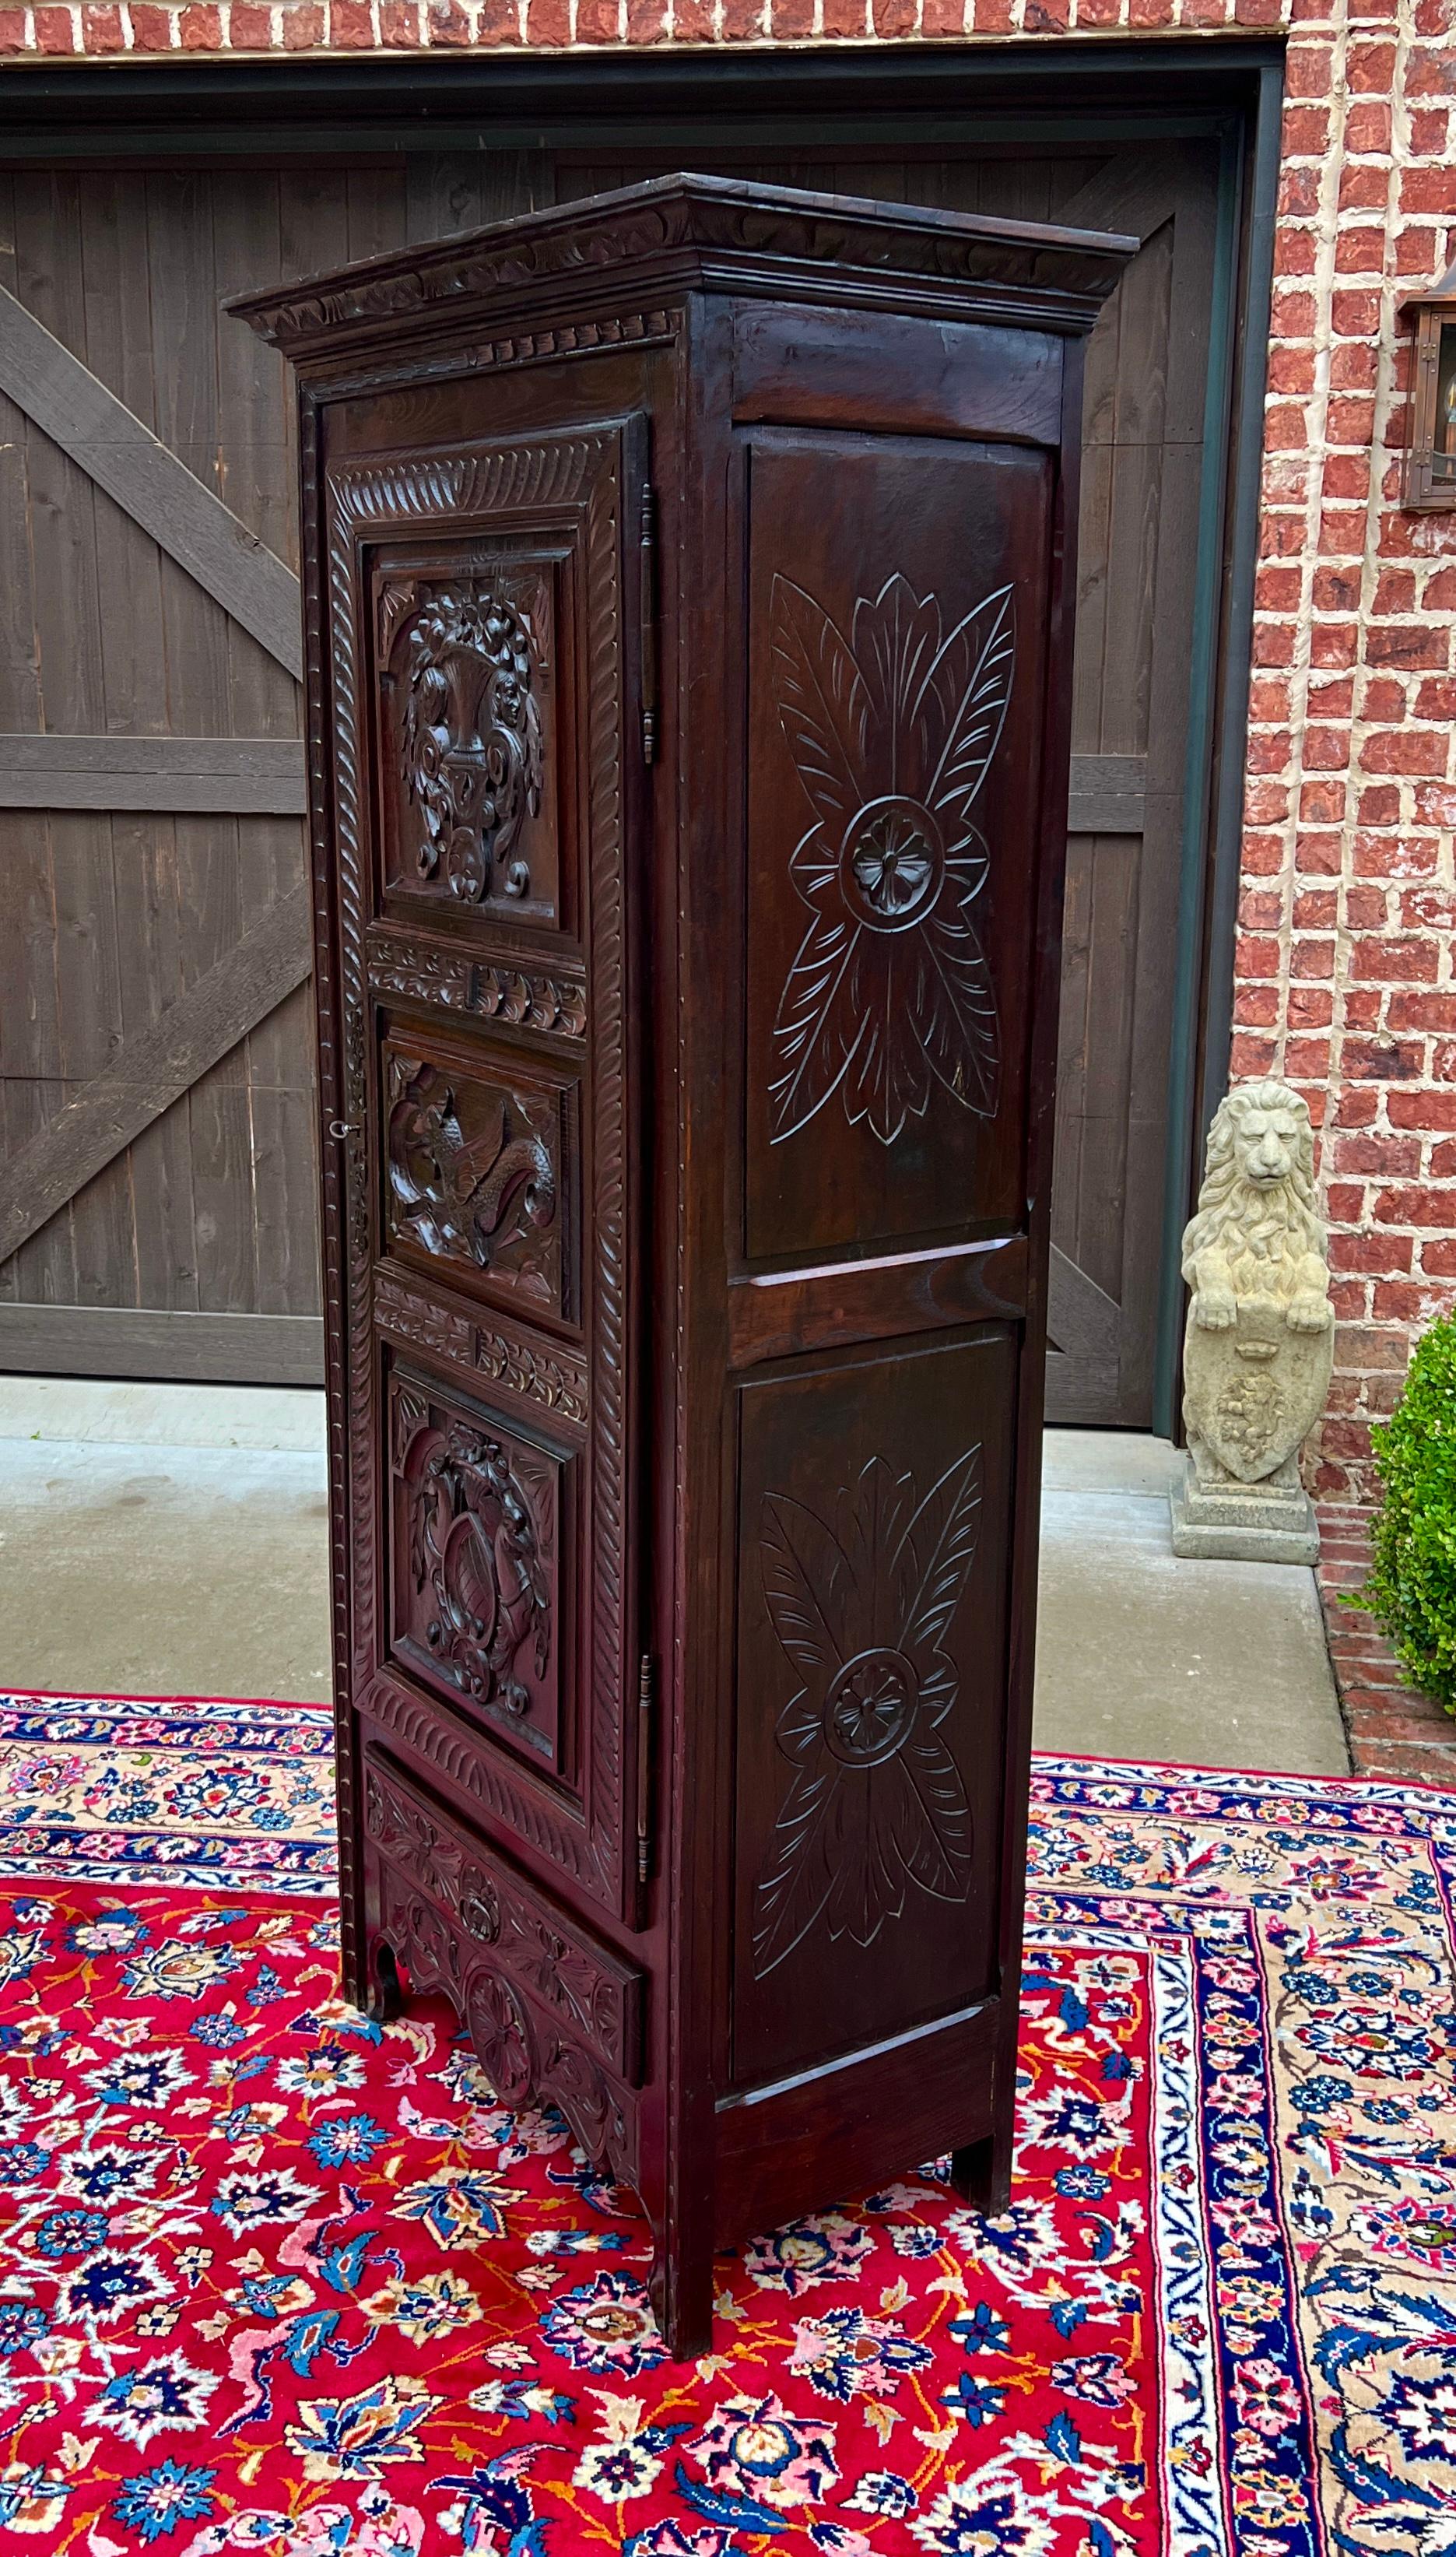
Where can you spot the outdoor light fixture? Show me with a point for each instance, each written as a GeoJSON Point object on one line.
{"type": "Point", "coordinates": [1429, 482]}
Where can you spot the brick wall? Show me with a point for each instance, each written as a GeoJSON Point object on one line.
{"type": "Point", "coordinates": [1345, 974]}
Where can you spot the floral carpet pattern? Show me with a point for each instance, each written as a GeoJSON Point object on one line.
{"type": "Point", "coordinates": [274, 2278]}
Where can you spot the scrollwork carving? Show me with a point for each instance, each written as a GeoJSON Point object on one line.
{"type": "Point", "coordinates": [584, 1994]}
{"type": "Point", "coordinates": [470, 749]}
{"type": "Point", "coordinates": [450, 980]}
{"type": "Point", "coordinates": [475, 1547]}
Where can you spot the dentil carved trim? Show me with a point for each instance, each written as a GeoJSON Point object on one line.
{"type": "Point", "coordinates": [450, 980]}
{"type": "Point", "coordinates": [556, 1379]}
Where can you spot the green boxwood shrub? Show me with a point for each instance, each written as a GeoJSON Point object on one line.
{"type": "Point", "coordinates": [1412, 1589]}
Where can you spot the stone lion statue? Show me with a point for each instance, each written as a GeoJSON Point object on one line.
{"type": "Point", "coordinates": [1260, 1342]}
{"type": "Point", "coordinates": [1257, 1232]}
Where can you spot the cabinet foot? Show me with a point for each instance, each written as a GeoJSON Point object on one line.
{"type": "Point", "coordinates": [981, 2175]}
{"type": "Point", "coordinates": [681, 2287]}
{"type": "Point", "coordinates": [383, 1997]}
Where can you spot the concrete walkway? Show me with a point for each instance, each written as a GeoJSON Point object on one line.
{"type": "Point", "coordinates": [171, 1541]}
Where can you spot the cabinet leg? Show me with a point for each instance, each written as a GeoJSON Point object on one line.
{"type": "Point", "coordinates": [383, 1996]}
{"type": "Point", "coordinates": [681, 2287]}
{"type": "Point", "coordinates": [981, 2174]}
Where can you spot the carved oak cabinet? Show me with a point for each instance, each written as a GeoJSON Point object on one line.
{"type": "Point", "coordinates": [688, 595]}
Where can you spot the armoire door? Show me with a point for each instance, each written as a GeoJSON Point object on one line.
{"type": "Point", "coordinates": [480, 637]}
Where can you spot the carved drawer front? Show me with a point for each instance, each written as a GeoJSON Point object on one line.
{"type": "Point", "coordinates": [872, 1665]}
{"type": "Point", "coordinates": [481, 1517]}
{"type": "Point", "coordinates": [468, 676]}
{"type": "Point", "coordinates": [480, 1168]}
{"type": "Point", "coordinates": [892, 753]}
{"type": "Point", "coordinates": [555, 2017]}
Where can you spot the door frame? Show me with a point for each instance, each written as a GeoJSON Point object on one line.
{"type": "Point", "coordinates": [933, 96]}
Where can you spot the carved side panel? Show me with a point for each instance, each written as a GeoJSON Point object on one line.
{"type": "Point", "coordinates": [480, 1175]}
{"type": "Point", "coordinates": [871, 1664]}
{"type": "Point", "coordinates": [893, 719]}
{"type": "Point", "coordinates": [476, 1571]}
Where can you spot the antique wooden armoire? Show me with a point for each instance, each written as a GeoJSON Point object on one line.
{"type": "Point", "coordinates": [689, 577]}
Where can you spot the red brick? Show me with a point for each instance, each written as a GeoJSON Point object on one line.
{"type": "Point", "coordinates": [1382, 1060]}
{"type": "Point", "coordinates": [12, 30]}
{"type": "Point", "coordinates": [1404, 750]}
{"type": "Point", "coordinates": [1428, 1110]}
{"type": "Point", "coordinates": [1439, 1256]}
{"type": "Point", "coordinates": [1334, 643]}
{"type": "Point", "coordinates": [302, 26]}
{"type": "Point", "coordinates": [1417, 1204]}
{"type": "Point", "coordinates": [250, 28]}
{"type": "Point", "coordinates": [597, 22]}
{"type": "Point", "coordinates": [1312, 958]}
{"type": "Point", "coordinates": [1384, 1157]}
{"type": "Point", "coordinates": [1367, 126]}
{"type": "Point", "coordinates": [1327, 750]}
{"type": "Point", "coordinates": [1360, 252]}
{"type": "Point", "coordinates": [1428, 190]}
{"type": "Point", "coordinates": [1319, 855]}
{"type": "Point", "coordinates": [103, 30]}
{"type": "Point", "coordinates": [547, 21]}
{"type": "Point", "coordinates": [1362, 186]}
{"type": "Point", "coordinates": [1309, 1007]}
{"type": "Point", "coordinates": [1263, 855]}
{"type": "Point", "coordinates": [200, 29]}
{"type": "Point", "coordinates": [1250, 1057]}
{"type": "Point", "coordinates": [1255, 1006]}
{"type": "Point", "coordinates": [1408, 643]}
{"type": "Point", "coordinates": [1373, 1256]}
{"type": "Point", "coordinates": [152, 28]}
{"type": "Point", "coordinates": [351, 24]}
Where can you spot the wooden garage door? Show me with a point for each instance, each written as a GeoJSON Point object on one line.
{"type": "Point", "coordinates": [157, 1194]}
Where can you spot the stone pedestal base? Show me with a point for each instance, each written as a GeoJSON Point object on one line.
{"type": "Point", "coordinates": [1247, 1523]}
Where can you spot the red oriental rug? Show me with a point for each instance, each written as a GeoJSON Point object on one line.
{"type": "Point", "coordinates": [271, 2278]}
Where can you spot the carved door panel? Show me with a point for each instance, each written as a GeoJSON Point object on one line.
{"type": "Point", "coordinates": [479, 670]}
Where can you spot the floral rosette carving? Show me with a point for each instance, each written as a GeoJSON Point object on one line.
{"type": "Point", "coordinates": [861, 1610]}
{"type": "Point", "coordinates": [891, 732]}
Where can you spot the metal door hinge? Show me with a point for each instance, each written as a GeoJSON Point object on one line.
{"type": "Point", "coordinates": [647, 569]}
{"type": "Point", "coordinates": [647, 1703]}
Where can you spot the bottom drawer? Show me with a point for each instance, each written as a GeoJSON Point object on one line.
{"type": "Point", "coordinates": [555, 2015]}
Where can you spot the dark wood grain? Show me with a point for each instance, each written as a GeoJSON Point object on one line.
{"type": "Point", "coordinates": [693, 1319]}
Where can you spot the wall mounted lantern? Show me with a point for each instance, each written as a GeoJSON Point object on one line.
{"type": "Point", "coordinates": [1429, 486]}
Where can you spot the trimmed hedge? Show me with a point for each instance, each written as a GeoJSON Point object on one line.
{"type": "Point", "coordinates": [1412, 1589]}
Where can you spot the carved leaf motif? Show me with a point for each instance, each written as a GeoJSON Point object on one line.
{"type": "Point", "coordinates": [875, 1804]}
{"type": "Point", "coordinates": [822, 702]}
{"type": "Point", "coordinates": [970, 686]}
{"type": "Point", "coordinates": [889, 994]}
